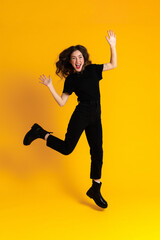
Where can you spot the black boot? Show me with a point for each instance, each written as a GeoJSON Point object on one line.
{"type": "Point", "coordinates": [35, 132]}
{"type": "Point", "coordinates": [94, 192]}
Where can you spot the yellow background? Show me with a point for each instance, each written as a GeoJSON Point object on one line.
{"type": "Point", "coordinates": [42, 193]}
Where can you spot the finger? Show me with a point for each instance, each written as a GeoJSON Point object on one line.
{"type": "Point", "coordinates": [44, 76]}
{"type": "Point", "coordinates": [108, 33]}
{"type": "Point", "coordinates": [41, 77]}
{"type": "Point", "coordinates": [107, 38]}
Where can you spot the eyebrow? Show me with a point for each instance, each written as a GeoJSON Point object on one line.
{"type": "Point", "coordinates": [78, 55]}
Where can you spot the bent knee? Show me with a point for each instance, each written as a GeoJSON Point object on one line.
{"type": "Point", "coordinates": [68, 151]}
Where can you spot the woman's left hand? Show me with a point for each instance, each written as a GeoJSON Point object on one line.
{"type": "Point", "coordinates": [112, 38]}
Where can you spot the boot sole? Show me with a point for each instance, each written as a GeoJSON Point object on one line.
{"type": "Point", "coordinates": [28, 139]}
{"type": "Point", "coordinates": [91, 196]}
{"type": "Point", "coordinates": [27, 136]}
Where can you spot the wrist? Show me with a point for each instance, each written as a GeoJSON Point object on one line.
{"type": "Point", "coordinates": [50, 85]}
{"type": "Point", "coordinates": [113, 46]}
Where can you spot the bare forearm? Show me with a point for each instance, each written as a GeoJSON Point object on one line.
{"type": "Point", "coordinates": [56, 96]}
{"type": "Point", "coordinates": [113, 59]}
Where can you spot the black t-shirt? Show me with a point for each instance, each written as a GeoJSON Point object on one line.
{"type": "Point", "coordinates": [85, 84]}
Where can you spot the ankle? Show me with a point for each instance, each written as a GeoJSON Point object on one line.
{"type": "Point", "coordinates": [46, 136]}
{"type": "Point", "coordinates": [96, 180]}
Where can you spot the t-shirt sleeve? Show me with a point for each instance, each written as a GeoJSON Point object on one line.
{"type": "Point", "coordinates": [68, 85]}
{"type": "Point", "coordinates": [99, 70]}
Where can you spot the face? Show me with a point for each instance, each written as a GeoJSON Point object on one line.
{"type": "Point", "coordinates": [77, 60]}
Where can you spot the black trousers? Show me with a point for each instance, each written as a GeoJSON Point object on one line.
{"type": "Point", "coordinates": [86, 116]}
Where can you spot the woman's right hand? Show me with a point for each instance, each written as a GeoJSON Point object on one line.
{"type": "Point", "coordinates": [46, 81]}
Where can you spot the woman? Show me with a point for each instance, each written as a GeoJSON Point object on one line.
{"type": "Point", "coordinates": [81, 77]}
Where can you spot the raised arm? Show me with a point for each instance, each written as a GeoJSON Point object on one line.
{"type": "Point", "coordinates": [113, 61]}
{"type": "Point", "coordinates": [61, 100]}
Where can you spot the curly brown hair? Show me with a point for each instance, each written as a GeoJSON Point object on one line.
{"type": "Point", "coordinates": [64, 67]}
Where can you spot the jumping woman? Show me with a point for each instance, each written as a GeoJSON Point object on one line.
{"type": "Point", "coordinates": [81, 77]}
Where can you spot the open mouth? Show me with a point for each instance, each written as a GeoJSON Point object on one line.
{"type": "Point", "coordinates": [78, 66]}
